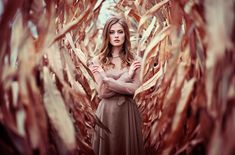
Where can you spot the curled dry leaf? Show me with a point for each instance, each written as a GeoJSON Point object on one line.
{"type": "Point", "coordinates": [150, 12]}
{"type": "Point", "coordinates": [186, 109]}
{"type": "Point", "coordinates": [150, 83]}
{"type": "Point", "coordinates": [151, 47]}
{"type": "Point", "coordinates": [57, 113]}
{"type": "Point", "coordinates": [72, 24]}
{"type": "Point", "coordinates": [220, 17]}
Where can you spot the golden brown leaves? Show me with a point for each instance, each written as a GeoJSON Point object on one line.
{"type": "Point", "coordinates": [56, 110]}
{"type": "Point", "coordinates": [186, 98]}
{"type": "Point", "coordinates": [171, 107]}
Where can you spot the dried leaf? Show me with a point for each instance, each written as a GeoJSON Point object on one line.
{"type": "Point", "coordinates": [151, 47]}
{"type": "Point", "coordinates": [150, 83]}
{"type": "Point", "coordinates": [77, 51]}
{"type": "Point", "coordinates": [73, 24]}
{"type": "Point", "coordinates": [57, 113]}
{"type": "Point", "coordinates": [150, 12]}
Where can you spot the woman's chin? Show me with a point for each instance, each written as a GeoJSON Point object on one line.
{"type": "Point", "coordinates": [117, 44]}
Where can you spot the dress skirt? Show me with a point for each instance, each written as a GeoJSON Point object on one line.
{"type": "Point", "coordinates": [120, 114]}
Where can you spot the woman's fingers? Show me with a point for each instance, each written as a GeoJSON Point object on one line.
{"type": "Point", "coordinates": [136, 62]}
{"type": "Point", "coordinates": [136, 65]}
{"type": "Point", "coordinates": [96, 68]}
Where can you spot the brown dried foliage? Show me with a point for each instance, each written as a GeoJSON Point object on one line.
{"type": "Point", "coordinates": [48, 97]}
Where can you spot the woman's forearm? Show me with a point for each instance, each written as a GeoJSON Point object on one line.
{"type": "Point", "coordinates": [122, 87]}
{"type": "Point", "coordinates": [104, 91]}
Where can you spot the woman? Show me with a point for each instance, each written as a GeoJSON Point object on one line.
{"type": "Point", "coordinates": [116, 72]}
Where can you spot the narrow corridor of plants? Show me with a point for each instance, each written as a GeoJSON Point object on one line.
{"type": "Point", "coordinates": [48, 96]}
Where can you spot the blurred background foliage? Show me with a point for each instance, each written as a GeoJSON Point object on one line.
{"type": "Point", "coordinates": [187, 96]}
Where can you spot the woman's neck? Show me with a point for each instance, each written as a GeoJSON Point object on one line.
{"type": "Point", "coordinates": [116, 51]}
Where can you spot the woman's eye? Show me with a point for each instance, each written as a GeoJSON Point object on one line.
{"type": "Point", "coordinates": [111, 32]}
{"type": "Point", "coordinates": [120, 32]}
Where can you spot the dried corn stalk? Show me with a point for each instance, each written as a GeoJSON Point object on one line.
{"type": "Point", "coordinates": [188, 81]}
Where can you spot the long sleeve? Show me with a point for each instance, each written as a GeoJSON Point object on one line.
{"type": "Point", "coordinates": [104, 91]}
{"type": "Point", "coordinates": [116, 84]}
{"type": "Point", "coordinates": [125, 86]}
{"type": "Point", "coordinates": [101, 88]}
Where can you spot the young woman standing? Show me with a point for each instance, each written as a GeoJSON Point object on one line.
{"type": "Point", "coordinates": [116, 71]}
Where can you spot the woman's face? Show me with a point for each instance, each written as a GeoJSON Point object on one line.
{"type": "Point", "coordinates": [116, 35]}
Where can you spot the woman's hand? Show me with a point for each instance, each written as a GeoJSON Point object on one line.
{"type": "Point", "coordinates": [96, 69]}
{"type": "Point", "coordinates": [134, 66]}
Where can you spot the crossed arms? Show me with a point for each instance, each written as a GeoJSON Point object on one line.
{"type": "Point", "coordinates": [125, 84]}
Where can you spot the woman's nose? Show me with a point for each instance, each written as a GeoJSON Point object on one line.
{"type": "Point", "coordinates": [116, 34]}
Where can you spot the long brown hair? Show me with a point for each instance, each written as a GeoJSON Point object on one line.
{"type": "Point", "coordinates": [105, 53]}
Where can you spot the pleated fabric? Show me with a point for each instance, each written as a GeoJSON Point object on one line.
{"type": "Point", "coordinates": [120, 114]}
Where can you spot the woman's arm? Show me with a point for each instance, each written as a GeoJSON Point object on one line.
{"type": "Point", "coordinates": [108, 87]}
{"type": "Point", "coordinates": [101, 87]}
{"type": "Point", "coordinates": [104, 91]}
{"type": "Point", "coordinates": [127, 86]}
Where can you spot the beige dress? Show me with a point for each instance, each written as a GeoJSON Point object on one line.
{"type": "Point", "coordinates": [119, 113]}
